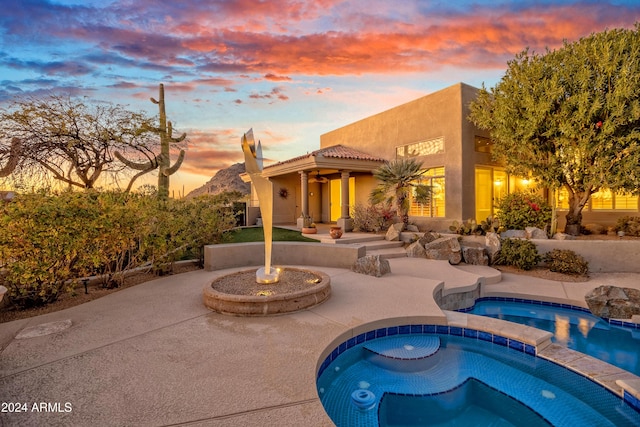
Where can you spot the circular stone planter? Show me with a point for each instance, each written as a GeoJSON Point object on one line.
{"type": "Point", "coordinates": [267, 303]}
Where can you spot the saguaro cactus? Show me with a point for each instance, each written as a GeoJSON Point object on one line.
{"type": "Point", "coordinates": [14, 156]}
{"type": "Point", "coordinates": [161, 161]}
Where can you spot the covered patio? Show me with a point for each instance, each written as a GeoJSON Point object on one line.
{"type": "Point", "coordinates": [322, 185]}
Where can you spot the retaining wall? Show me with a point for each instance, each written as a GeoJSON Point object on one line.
{"type": "Point", "coordinates": [219, 257]}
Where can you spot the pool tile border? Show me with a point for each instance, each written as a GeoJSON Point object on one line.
{"type": "Point", "coordinates": [627, 397]}
{"type": "Point", "coordinates": [425, 329]}
{"type": "Point", "coordinates": [613, 322]}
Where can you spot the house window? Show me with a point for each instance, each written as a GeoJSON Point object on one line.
{"type": "Point", "coordinates": [603, 200]}
{"type": "Point", "coordinates": [434, 204]}
{"type": "Point", "coordinates": [421, 148]}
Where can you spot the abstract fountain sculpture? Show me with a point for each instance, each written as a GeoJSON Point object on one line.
{"type": "Point", "coordinates": [264, 188]}
{"type": "Point", "coordinates": [269, 290]}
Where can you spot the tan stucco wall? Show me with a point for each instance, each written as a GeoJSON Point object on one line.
{"type": "Point", "coordinates": [440, 114]}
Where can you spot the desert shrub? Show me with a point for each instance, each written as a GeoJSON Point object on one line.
{"type": "Point", "coordinates": [49, 241]}
{"type": "Point", "coordinates": [566, 261]}
{"type": "Point", "coordinates": [519, 210]}
{"type": "Point", "coordinates": [372, 218]}
{"type": "Point", "coordinates": [519, 253]}
{"type": "Point", "coordinates": [630, 225]}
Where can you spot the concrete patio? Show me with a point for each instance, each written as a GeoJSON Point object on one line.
{"type": "Point", "coordinates": [153, 355]}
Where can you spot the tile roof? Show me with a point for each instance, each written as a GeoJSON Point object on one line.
{"type": "Point", "coordinates": [336, 152]}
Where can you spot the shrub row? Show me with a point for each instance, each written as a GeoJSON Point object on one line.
{"type": "Point", "coordinates": [49, 241]}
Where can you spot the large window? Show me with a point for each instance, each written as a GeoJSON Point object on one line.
{"type": "Point", "coordinates": [492, 184]}
{"type": "Point", "coordinates": [421, 148]}
{"type": "Point", "coordinates": [434, 205]}
{"type": "Point", "coordinates": [603, 200]}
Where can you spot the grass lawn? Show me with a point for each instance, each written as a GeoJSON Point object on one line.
{"type": "Point", "coordinates": [256, 234]}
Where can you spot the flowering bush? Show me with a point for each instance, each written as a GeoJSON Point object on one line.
{"type": "Point", "coordinates": [519, 210]}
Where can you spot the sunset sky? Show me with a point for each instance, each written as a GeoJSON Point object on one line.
{"type": "Point", "coordinates": [291, 69]}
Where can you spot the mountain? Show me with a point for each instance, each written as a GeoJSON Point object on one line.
{"type": "Point", "coordinates": [224, 180]}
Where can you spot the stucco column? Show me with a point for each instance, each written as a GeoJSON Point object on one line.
{"type": "Point", "coordinates": [304, 197]}
{"type": "Point", "coordinates": [345, 220]}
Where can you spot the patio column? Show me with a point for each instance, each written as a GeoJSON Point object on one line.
{"type": "Point", "coordinates": [304, 198]}
{"type": "Point", "coordinates": [345, 220]}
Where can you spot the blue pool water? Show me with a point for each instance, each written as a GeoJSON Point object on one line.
{"type": "Point", "coordinates": [458, 379]}
{"type": "Point", "coordinates": [576, 329]}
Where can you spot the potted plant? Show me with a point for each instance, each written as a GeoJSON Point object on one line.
{"type": "Point", "coordinates": [309, 227]}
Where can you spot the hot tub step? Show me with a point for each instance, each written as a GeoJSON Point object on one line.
{"type": "Point", "coordinates": [404, 353]}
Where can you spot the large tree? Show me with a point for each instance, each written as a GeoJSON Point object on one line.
{"type": "Point", "coordinates": [70, 140]}
{"type": "Point", "coordinates": [570, 117]}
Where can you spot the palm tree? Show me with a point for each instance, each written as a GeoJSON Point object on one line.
{"type": "Point", "coordinates": [397, 177]}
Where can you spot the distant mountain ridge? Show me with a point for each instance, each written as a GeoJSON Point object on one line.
{"type": "Point", "coordinates": [224, 180]}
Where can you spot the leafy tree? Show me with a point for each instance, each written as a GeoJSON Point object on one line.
{"type": "Point", "coordinates": [397, 177]}
{"type": "Point", "coordinates": [570, 117]}
{"type": "Point", "coordinates": [70, 140]}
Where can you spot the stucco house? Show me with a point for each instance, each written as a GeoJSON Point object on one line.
{"type": "Point", "coordinates": [456, 157]}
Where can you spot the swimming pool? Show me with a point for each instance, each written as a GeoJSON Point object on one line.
{"type": "Point", "coordinates": [440, 375]}
{"type": "Point", "coordinates": [573, 327]}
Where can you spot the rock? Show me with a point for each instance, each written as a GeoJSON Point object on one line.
{"type": "Point", "coordinates": [393, 233]}
{"type": "Point", "coordinates": [475, 254]}
{"type": "Point", "coordinates": [413, 228]}
{"type": "Point", "coordinates": [416, 250]}
{"type": "Point", "coordinates": [514, 234]}
{"type": "Point", "coordinates": [536, 233]}
{"type": "Point", "coordinates": [563, 236]}
{"type": "Point", "coordinates": [372, 265]}
{"type": "Point", "coordinates": [428, 237]}
{"type": "Point", "coordinates": [613, 302]}
{"type": "Point", "coordinates": [492, 244]}
{"type": "Point", "coordinates": [444, 248]}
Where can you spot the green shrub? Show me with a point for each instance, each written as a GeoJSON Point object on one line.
{"type": "Point", "coordinates": [49, 241]}
{"type": "Point", "coordinates": [519, 253]}
{"type": "Point", "coordinates": [566, 261]}
{"type": "Point", "coordinates": [469, 227]}
{"type": "Point", "coordinates": [630, 225]}
{"type": "Point", "coordinates": [519, 210]}
{"type": "Point", "coordinates": [466, 228]}
{"type": "Point", "coordinates": [371, 218]}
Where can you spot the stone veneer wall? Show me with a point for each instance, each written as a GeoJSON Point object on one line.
{"type": "Point", "coordinates": [456, 301]}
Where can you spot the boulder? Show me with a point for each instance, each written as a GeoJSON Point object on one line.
{"type": "Point", "coordinates": [475, 254]}
{"type": "Point", "coordinates": [413, 228]}
{"type": "Point", "coordinates": [514, 234]}
{"type": "Point", "coordinates": [492, 244]}
{"type": "Point", "coordinates": [613, 302]}
{"type": "Point", "coordinates": [372, 265]}
{"type": "Point", "coordinates": [536, 233]}
{"type": "Point", "coordinates": [444, 248]}
{"type": "Point", "coordinates": [393, 233]}
{"type": "Point", "coordinates": [416, 250]}
{"type": "Point", "coordinates": [428, 237]}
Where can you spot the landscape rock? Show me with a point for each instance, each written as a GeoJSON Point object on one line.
{"type": "Point", "coordinates": [372, 265]}
{"type": "Point", "coordinates": [393, 233]}
{"type": "Point", "coordinates": [416, 250]}
{"type": "Point", "coordinates": [536, 233]}
{"type": "Point", "coordinates": [492, 244]}
{"type": "Point", "coordinates": [613, 302]}
{"type": "Point", "coordinates": [413, 228]}
{"type": "Point", "coordinates": [514, 234]}
{"type": "Point", "coordinates": [428, 237]}
{"type": "Point", "coordinates": [475, 254]}
{"type": "Point", "coordinates": [444, 248]}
